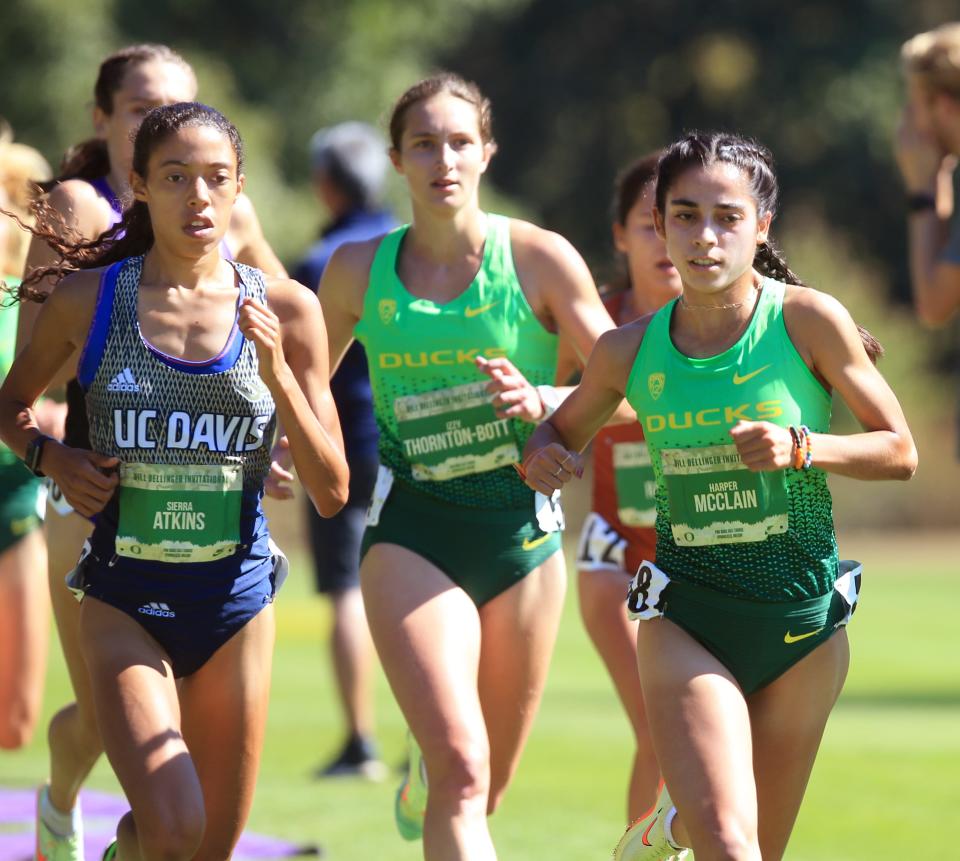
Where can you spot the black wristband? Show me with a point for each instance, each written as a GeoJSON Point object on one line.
{"type": "Point", "coordinates": [34, 452]}
{"type": "Point", "coordinates": [921, 202]}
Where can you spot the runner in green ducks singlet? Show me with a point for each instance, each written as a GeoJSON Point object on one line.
{"type": "Point", "coordinates": [459, 314]}
{"type": "Point", "coordinates": [745, 608]}
{"type": "Point", "coordinates": [24, 603]}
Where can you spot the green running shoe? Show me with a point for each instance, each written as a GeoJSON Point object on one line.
{"type": "Point", "coordinates": [645, 839]}
{"type": "Point", "coordinates": [411, 801]}
{"type": "Point", "coordinates": [52, 846]}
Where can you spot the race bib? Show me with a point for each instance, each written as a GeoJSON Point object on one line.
{"type": "Point", "coordinates": [179, 513]}
{"type": "Point", "coordinates": [453, 432]}
{"type": "Point", "coordinates": [635, 484]}
{"type": "Point", "coordinates": [601, 548]}
{"type": "Point", "coordinates": [715, 499]}
{"type": "Point", "coordinates": [58, 502]}
{"type": "Point", "coordinates": [645, 599]}
{"type": "Point", "coordinates": [549, 512]}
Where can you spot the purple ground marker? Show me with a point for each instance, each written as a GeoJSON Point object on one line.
{"type": "Point", "coordinates": [101, 812]}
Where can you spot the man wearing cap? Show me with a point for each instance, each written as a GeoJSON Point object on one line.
{"type": "Point", "coordinates": [349, 167]}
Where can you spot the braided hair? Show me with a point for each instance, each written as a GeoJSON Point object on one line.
{"type": "Point", "coordinates": [755, 162]}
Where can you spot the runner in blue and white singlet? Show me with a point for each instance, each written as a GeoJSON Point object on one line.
{"type": "Point", "coordinates": [194, 440]}
{"type": "Point", "coordinates": [185, 359]}
{"type": "Point", "coordinates": [89, 195]}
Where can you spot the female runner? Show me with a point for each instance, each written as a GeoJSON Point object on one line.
{"type": "Point", "coordinates": [187, 362]}
{"type": "Point", "coordinates": [459, 313]}
{"type": "Point", "coordinates": [743, 650]}
{"type": "Point", "coordinates": [84, 201]}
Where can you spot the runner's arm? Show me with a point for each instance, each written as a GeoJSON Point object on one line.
{"type": "Point", "coordinates": [824, 331]}
{"type": "Point", "coordinates": [551, 456]}
{"type": "Point", "coordinates": [60, 331]}
{"type": "Point", "coordinates": [561, 291]}
{"type": "Point", "coordinates": [341, 291]}
{"type": "Point", "coordinates": [297, 375]}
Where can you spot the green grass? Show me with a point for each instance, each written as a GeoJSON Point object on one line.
{"type": "Point", "coordinates": [884, 785]}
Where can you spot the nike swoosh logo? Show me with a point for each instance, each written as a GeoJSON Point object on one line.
{"type": "Point", "coordinates": [473, 312]}
{"type": "Point", "coordinates": [790, 638]}
{"type": "Point", "coordinates": [738, 380]}
{"type": "Point", "coordinates": [531, 545]}
{"type": "Point", "coordinates": [646, 834]}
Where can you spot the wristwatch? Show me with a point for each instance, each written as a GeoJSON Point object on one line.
{"type": "Point", "coordinates": [35, 452]}
{"type": "Point", "coordinates": [921, 202]}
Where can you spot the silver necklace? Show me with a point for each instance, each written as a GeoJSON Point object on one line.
{"type": "Point", "coordinates": [726, 306]}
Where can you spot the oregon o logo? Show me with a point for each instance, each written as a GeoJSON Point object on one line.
{"type": "Point", "coordinates": [655, 383]}
{"type": "Point", "coordinates": [387, 308]}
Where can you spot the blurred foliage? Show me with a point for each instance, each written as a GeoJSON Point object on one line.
{"type": "Point", "coordinates": [279, 70]}
{"type": "Point", "coordinates": [579, 87]}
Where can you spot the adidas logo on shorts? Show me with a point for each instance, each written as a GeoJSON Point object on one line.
{"type": "Point", "coordinates": [157, 608]}
{"type": "Point", "coordinates": [123, 382]}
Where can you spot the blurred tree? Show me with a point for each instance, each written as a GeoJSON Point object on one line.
{"type": "Point", "coordinates": [581, 88]}
{"type": "Point", "coordinates": [280, 70]}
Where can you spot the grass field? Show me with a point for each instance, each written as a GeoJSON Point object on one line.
{"type": "Point", "coordinates": [885, 785]}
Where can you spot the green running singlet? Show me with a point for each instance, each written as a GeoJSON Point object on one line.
{"type": "Point", "coordinates": [764, 536]}
{"type": "Point", "coordinates": [19, 490]}
{"type": "Point", "coordinates": [438, 430]}
{"type": "Point", "coordinates": [8, 343]}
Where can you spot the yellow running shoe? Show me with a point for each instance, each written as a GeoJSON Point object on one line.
{"type": "Point", "coordinates": [411, 801]}
{"type": "Point", "coordinates": [52, 846]}
{"type": "Point", "coordinates": [645, 839]}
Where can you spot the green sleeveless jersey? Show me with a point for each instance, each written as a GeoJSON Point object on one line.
{"type": "Point", "coordinates": [8, 344]}
{"type": "Point", "coordinates": [766, 536]}
{"type": "Point", "coordinates": [438, 429]}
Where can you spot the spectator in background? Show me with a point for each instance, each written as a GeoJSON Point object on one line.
{"type": "Point", "coordinates": [928, 143]}
{"type": "Point", "coordinates": [349, 167]}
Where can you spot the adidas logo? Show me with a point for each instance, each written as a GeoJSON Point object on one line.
{"type": "Point", "coordinates": [123, 382]}
{"type": "Point", "coordinates": [157, 608]}
{"type": "Point", "coordinates": [253, 390]}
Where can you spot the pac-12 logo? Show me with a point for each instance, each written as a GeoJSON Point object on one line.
{"type": "Point", "coordinates": [387, 308]}
{"type": "Point", "coordinates": [655, 383]}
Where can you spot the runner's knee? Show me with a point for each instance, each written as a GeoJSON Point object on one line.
{"type": "Point", "coordinates": [77, 728]}
{"type": "Point", "coordinates": [170, 832]}
{"type": "Point", "coordinates": [461, 772]}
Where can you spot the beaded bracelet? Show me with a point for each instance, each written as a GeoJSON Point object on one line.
{"type": "Point", "coordinates": [808, 450]}
{"type": "Point", "coordinates": [802, 447]}
{"type": "Point", "coordinates": [797, 438]}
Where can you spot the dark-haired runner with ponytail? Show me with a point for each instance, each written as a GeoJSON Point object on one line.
{"type": "Point", "coordinates": [742, 646]}
{"type": "Point", "coordinates": [83, 202]}
{"type": "Point", "coordinates": [187, 362]}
